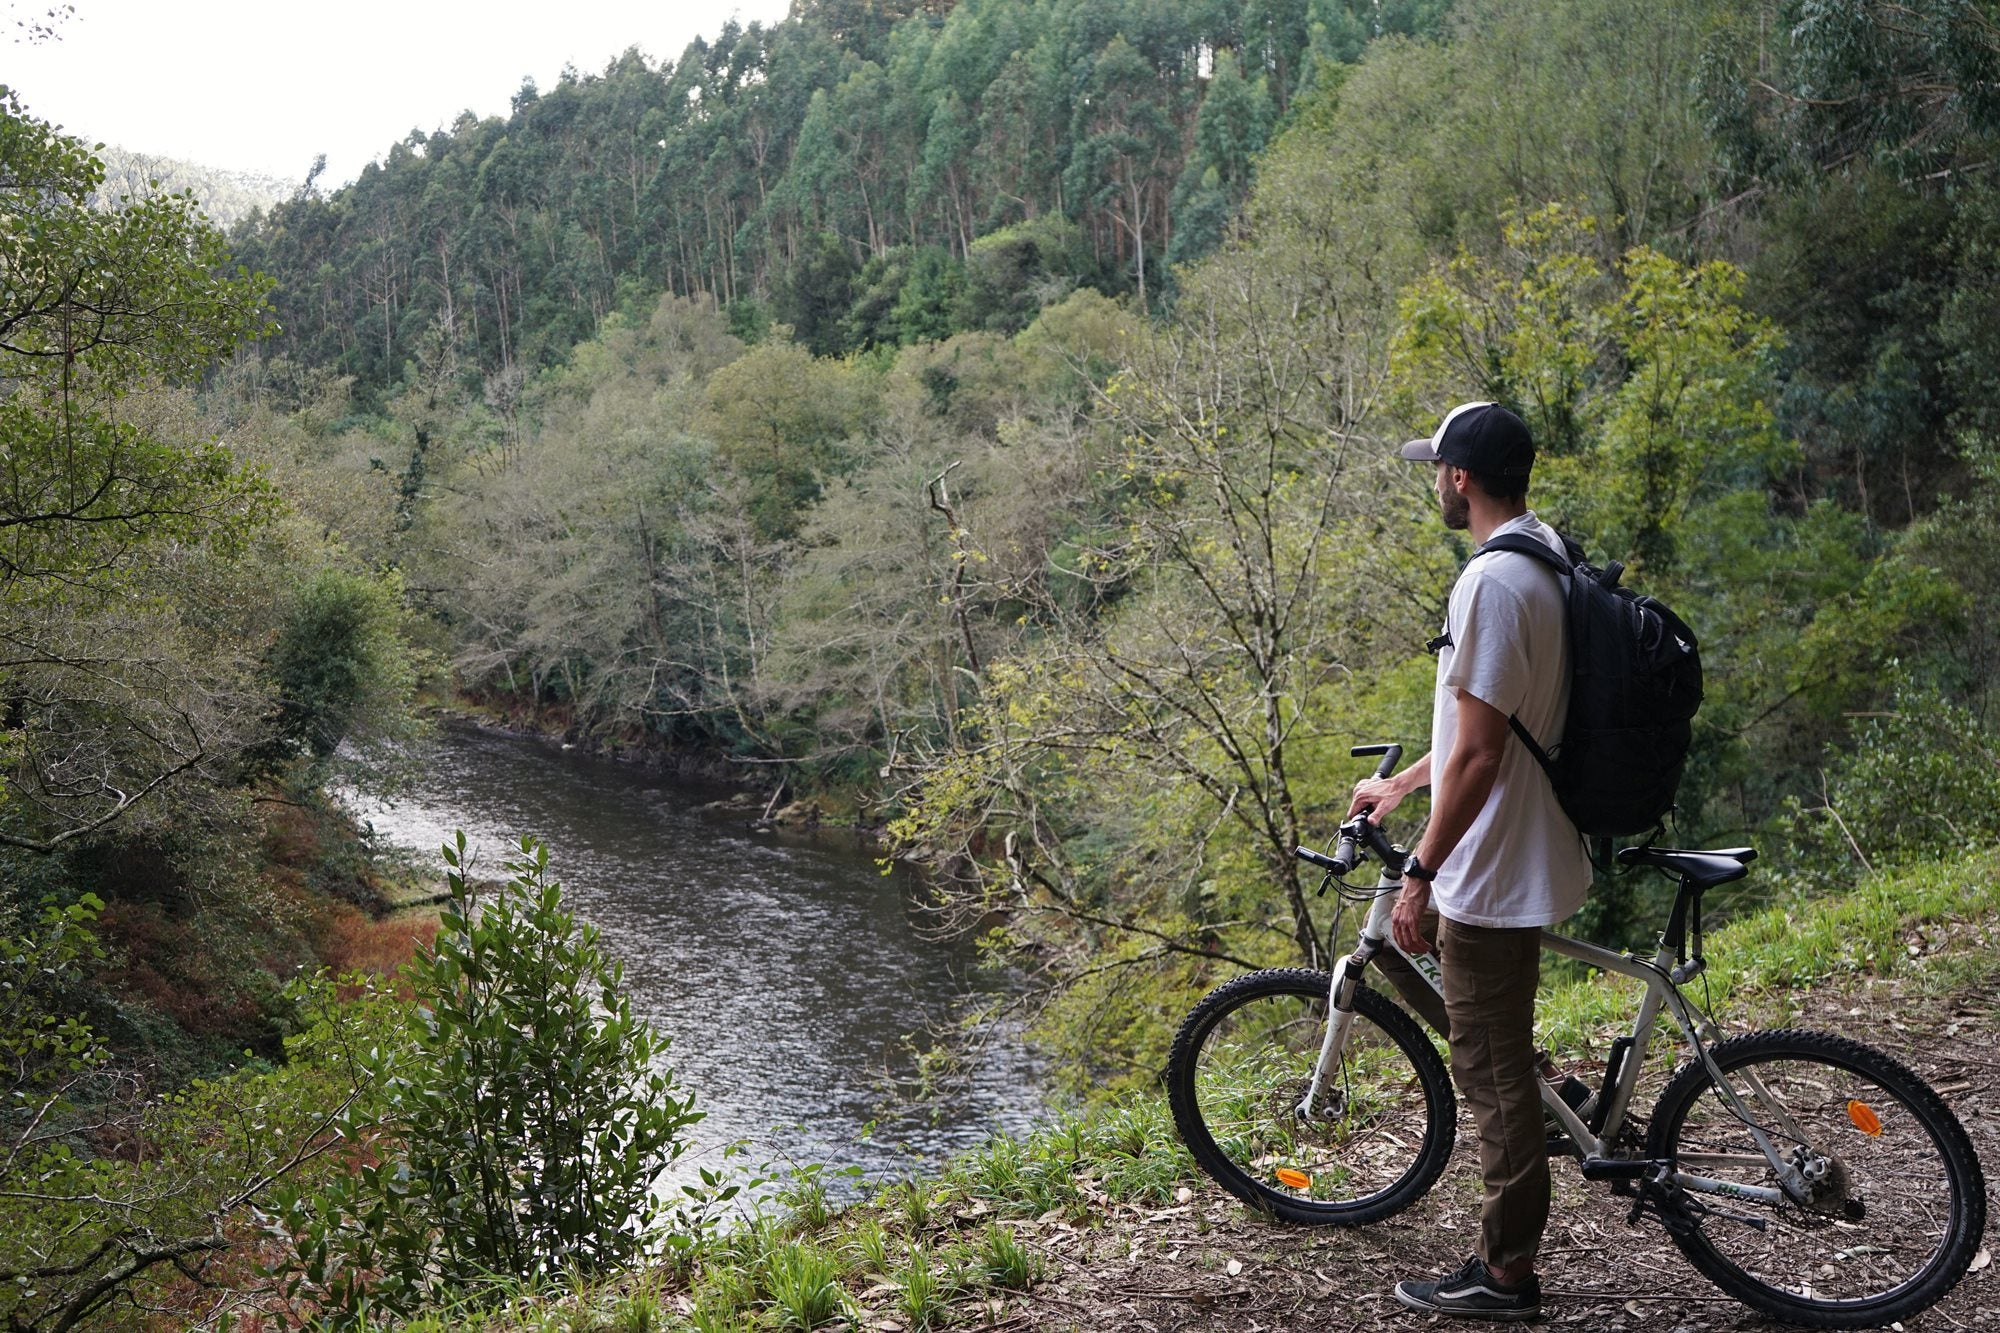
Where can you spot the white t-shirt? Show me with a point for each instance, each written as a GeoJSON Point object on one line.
{"type": "Point", "coordinates": [1522, 863]}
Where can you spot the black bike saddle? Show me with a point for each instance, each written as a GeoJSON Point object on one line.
{"type": "Point", "coordinates": [1701, 868]}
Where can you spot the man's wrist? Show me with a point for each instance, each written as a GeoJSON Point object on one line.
{"type": "Point", "coordinates": [1414, 868]}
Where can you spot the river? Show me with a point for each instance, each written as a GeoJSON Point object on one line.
{"type": "Point", "coordinates": [788, 971]}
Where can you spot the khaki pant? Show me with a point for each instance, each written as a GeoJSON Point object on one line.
{"type": "Point", "coordinates": [1490, 979]}
{"type": "Point", "coordinates": [1487, 1014]}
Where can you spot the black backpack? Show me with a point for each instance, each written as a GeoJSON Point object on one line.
{"type": "Point", "coordinates": [1635, 683]}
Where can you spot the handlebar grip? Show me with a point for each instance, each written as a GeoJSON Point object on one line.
{"type": "Point", "coordinates": [1391, 754]}
{"type": "Point", "coordinates": [1345, 854]}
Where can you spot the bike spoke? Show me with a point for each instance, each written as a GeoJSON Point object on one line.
{"type": "Point", "coordinates": [1369, 1144]}
{"type": "Point", "coordinates": [1884, 1226]}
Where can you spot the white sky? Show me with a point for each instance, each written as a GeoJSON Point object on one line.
{"type": "Point", "coordinates": [259, 86]}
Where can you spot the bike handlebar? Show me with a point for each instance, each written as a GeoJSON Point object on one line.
{"type": "Point", "coordinates": [1319, 859]}
{"type": "Point", "coordinates": [1359, 832]}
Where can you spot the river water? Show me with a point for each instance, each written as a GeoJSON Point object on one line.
{"type": "Point", "coordinates": [787, 970]}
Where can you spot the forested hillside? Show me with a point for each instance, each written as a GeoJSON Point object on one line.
{"type": "Point", "coordinates": [979, 419]}
{"type": "Point", "coordinates": [227, 197]}
{"type": "Point", "coordinates": [977, 416]}
{"type": "Point", "coordinates": [866, 173]}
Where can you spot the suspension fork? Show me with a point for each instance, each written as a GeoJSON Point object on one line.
{"type": "Point", "coordinates": [1374, 938]}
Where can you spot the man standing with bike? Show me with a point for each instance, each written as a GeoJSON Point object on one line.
{"type": "Point", "coordinates": [1499, 859]}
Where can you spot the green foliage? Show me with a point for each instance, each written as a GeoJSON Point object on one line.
{"type": "Point", "coordinates": [98, 304]}
{"type": "Point", "coordinates": [1005, 1262]}
{"type": "Point", "coordinates": [871, 1246]}
{"type": "Point", "coordinates": [833, 171]}
{"type": "Point", "coordinates": [816, 295]}
{"type": "Point", "coordinates": [116, 508]}
{"type": "Point", "coordinates": [517, 1128]}
{"type": "Point", "coordinates": [923, 1290]}
{"type": "Point", "coordinates": [1648, 387]}
{"type": "Point", "coordinates": [1017, 271]}
{"type": "Point", "coordinates": [93, 1233]}
{"type": "Point", "coordinates": [1230, 131]}
{"type": "Point", "coordinates": [1924, 773]}
{"type": "Point", "coordinates": [781, 421]}
{"type": "Point", "coordinates": [804, 1285]}
{"type": "Point", "coordinates": [1770, 955]}
{"type": "Point", "coordinates": [341, 664]}
{"type": "Point", "coordinates": [43, 1049]}
{"type": "Point", "coordinates": [1125, 1149]}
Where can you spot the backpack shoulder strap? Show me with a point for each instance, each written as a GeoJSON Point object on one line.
{"type": "Point", "coordinates": [1522, 544]}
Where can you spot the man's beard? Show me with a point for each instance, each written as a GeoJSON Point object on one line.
{"type": "Point", "coordinates": [1457, 510]}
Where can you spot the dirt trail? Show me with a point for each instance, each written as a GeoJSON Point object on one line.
{"type": "Point", "coordinates": [1207, 1263]}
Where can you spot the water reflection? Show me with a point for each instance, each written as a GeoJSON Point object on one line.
{"type": "Point", "coordinates": [787, 971]}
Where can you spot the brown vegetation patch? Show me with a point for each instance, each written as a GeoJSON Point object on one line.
{"type": "Point", "coordinates": [347, 940]}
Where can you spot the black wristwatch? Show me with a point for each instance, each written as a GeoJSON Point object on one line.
{"type": "Point", "coordinates": [1415, 869]}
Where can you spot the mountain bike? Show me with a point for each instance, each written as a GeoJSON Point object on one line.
{"type": "Point", "coordinates": [1811, 1177]}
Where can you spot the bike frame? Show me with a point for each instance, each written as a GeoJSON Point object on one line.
{"type": "Point", "coordinates": [1662, 996]}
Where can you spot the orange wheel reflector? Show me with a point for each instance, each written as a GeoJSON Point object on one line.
{"type": "Point", "coordinates": [1865, 1119]}
{"type": "Point", "coordinates": [1297, 1180]}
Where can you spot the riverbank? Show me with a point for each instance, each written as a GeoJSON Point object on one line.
{"type": "Point", "coordinates": [1115, 1230]}
{"type": "Point", "coordinates": [764, 792]}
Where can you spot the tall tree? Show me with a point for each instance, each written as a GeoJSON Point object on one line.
{"type": "Point", "coordinates": [1125, 132]}
{"type": "Point", "coordinates": [95, 305]}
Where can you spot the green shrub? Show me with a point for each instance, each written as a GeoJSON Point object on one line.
{"type": "Point", "coordinates": [341, 667]}
{"type": "Point", "coordinates": [1923, 775]}
{"type": "Point", "coordinates": [517, 1130]}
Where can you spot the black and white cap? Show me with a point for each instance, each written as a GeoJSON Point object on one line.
{"type": "Point", "coordinates": [1481, 437]}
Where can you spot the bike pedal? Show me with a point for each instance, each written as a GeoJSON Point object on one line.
{"type": "Point", "coordinates": [1616, 1168]}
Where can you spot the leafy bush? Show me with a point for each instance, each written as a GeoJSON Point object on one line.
{"type": "Point", "coordinates": [340, 665]}
{"type": "Point", "coordinates": [1923, 774]}
{"type": "Point", "coordinates": [517, 1129]}
{"type": "Point", "coordinates": [116, 1193]}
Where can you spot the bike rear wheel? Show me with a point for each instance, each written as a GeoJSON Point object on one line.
{"type": "Point", "coordinates": [1898, 1201]}
{"type": "Point", "coordinates": [1378, 1135]}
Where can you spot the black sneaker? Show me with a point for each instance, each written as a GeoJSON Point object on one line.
{"type": "Point", "coordinates": [1474, 1293]}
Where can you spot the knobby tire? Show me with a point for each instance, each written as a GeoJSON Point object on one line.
{"type": "Point", "coordinates": [1900, 1203]}
{"type": "Point", "coordinates": [1239, 1068]}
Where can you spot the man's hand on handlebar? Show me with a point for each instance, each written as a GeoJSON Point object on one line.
{"type": "Point", "coordinates": [1384, 793]}
{"type": "Point", "coordinates": [1377, 795]}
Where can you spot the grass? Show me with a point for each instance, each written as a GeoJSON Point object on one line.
{"type": "Point", "coordinates": [1760, 962]}
{"type": "Point", "coordinates": [803, 1285]}
{"type": "Point", "coordinates": [922, 1293]}
{"type": "Point", "coordinates": [871, 1246]}
{"type": "Point", "coordinates": [1005, 1262]}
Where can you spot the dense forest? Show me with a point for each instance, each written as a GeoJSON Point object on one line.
{"type": "Point", "coordinates": [866, 173]}
{"type": "Point", "coordinates": [981, 415]}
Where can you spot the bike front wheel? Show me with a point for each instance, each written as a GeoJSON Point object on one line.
{"type": "Point", "coordinates": [1896, 1202]}
{"type": "Point", "coordinates": [1372, 1141]}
